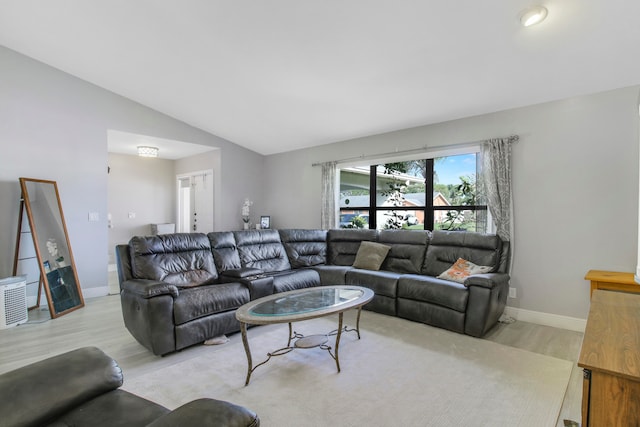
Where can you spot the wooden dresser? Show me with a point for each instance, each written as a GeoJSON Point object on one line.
{"type": "Point", "coordinates": [610, 357]}
{"type": "Point", "coordinates": [612, 280]}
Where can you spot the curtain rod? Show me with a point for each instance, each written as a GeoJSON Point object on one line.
{"type": "Point", "coordinates": [423, 149]}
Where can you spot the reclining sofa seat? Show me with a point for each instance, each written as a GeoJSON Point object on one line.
{"type": "Point", "coordinates": [171, 296]}
{"type": "Point", "coordinates": [471, 308]}
{"type": "Point", "coordinates": [406, 256]}
{"type": "Point", "coordinates": [82, 388]}
{"type": "Point", "coordinates": [259, 254]}
{"type": "Point", "coordinates": [304, 248]}
{"type": "Point", "coordinates": [341, 248]}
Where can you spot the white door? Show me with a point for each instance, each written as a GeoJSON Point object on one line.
{"type": "Point", "coordinates": [195, 202]}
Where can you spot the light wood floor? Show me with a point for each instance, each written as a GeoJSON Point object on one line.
{"type": "Point", "coordinates": [100, 324]}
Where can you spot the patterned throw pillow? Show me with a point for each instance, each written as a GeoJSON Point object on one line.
{"type": "Point", "coordinates": [462, 269]}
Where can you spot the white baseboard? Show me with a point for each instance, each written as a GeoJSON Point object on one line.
{"type": "Point", "coordinates": [86, 293]}
{"type": "Point", "coordinates": [100, 291]}
{"type": "Point", "coordinates": [32, 300]}
{"type": "Point", "coordinates": [547, 319]}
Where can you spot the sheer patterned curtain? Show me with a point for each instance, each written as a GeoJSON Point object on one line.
{"type": "Point", "coordinates": [328, 210]}
{"type": "Point", "coordinates": [496, 182]}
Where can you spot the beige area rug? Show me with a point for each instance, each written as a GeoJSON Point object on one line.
{"type": "Point", "coordinates": [400, 373]}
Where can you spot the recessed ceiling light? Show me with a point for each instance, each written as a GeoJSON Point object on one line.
{"type": "Point", "coordinates": [144, 151]}
{"type": "Point", "coordinates": [533, 15]}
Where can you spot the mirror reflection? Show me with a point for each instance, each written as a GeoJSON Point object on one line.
{"type": "Point", "coordinates": [52, 245]}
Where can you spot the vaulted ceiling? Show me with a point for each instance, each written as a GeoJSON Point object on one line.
{"type": "Point", "coordinates": [279, 75]}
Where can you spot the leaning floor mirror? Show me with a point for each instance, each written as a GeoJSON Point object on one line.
{"type": "Point", "coordinates": [58, 274]}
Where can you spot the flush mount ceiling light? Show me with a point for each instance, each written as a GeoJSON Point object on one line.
{"type": "Point", "coordinates": [533, 15]}
{"type": "Point", "coordinates": [145, 151]}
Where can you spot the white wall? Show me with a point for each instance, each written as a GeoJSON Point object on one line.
{"type": "Point", "coordinates": [142, 186]}
{"type": "Point", "coordinates": [54, 126]}
{"type": "Point", "coordinates": [575, 178]}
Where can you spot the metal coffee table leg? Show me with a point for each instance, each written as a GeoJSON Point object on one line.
{"type": "Point", "coordinates": [279, 352]}
{"type": "Point", "coordinates": [358, 321]}
{"type": "Point", "coordinates": [245, 341]}
{"type": "Point", "coordinates": [338, 339]}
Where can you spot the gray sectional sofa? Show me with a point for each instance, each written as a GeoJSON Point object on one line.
{"type": "Point", "coordinates": [181, 289]}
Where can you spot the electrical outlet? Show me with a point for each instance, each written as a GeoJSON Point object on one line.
{"type": "Point", "coordinates": [132, 215]}
{"type": "Point", "coordinates": [512, 292]}
{"type": "Point", "coordinates": [94, 216]}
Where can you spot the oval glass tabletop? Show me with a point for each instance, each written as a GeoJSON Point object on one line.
{"type": "Point", "coordinates": [303, 302]}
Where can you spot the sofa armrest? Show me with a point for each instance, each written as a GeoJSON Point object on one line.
{"type": "Point", "coordinates": [241, 273]}
{"type": "Point", "coordinates": [487, 280]}
{"type": "Point", "coordinates": [149, 288]}
{"type": "Point", "coordinates": [259, 284]}
{"type": "Point", "coordinates": [39, 393]}
{"type": "Point", "coordinates": [208, 412]}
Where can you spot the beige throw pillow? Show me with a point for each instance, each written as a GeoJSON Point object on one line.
{"type": "Point", "coordinates": [371, 255]}
{"type": "Point", "coordinates": [462, 269]}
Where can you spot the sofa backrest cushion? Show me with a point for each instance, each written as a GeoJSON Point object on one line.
{"type": "Point", "coordinates": [343, 244]}
{"type": "Point", "coordinates": [504, 257]}
{"type": "Point", "coordinates": [180, 259]}
{"type": "Point", "coordinates": [123, 263]}
{"type": "Point", "coordinates": [446, 247]}
{"type": "Point", "coordinates": [225, 251]}
{"type": "Point", "coordinates": [408, 250]}
{"type": "Point", "coordinates": [305, 247]}
{"type": "Point", "coordinates": [261, 249]}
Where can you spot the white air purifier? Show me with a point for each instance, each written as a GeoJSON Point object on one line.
{"type": "Point", "coordinates": [13, 301]}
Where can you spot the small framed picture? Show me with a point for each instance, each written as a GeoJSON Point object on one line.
{"type": "Point", "coordinates": [265, 222]}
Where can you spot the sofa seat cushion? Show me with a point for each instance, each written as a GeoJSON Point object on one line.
{"type": "Point", "coordinates": [383, 283]}
{"type": "Point", "coordinates": [294, 279]}
{"type": "Point", "coordinates": [435, 291]}
{"type": "Point", "coordinates": [201, 301]}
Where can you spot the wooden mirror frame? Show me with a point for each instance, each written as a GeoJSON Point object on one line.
{"type": "Point", "coordinates": [58, 273]}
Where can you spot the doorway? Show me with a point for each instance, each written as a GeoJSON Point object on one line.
{"type": "Point", "coordinates": [195, 202]}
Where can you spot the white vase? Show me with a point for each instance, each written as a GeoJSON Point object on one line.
{"type": "Point", "coordinates": [246, 225]}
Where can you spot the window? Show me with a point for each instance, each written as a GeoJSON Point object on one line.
{"type": "Point", "coordinates": [354, 197]}
{"type": "Point", "coordinates": [394, 195]}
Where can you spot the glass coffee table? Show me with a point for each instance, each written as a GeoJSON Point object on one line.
{"type": "Point", "coordinates": [299, 305]}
